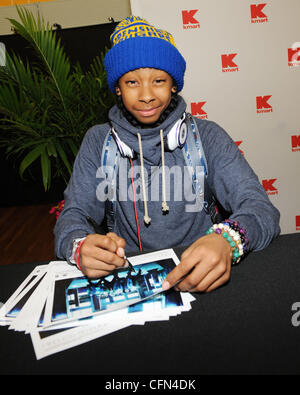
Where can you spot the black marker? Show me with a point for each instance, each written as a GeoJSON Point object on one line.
{"type": "Point", "coordinates": [97, 228]}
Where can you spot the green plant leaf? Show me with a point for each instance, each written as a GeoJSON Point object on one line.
{"type": "Point", "coordinates": [46, 169]}
{"type": "Point", "coordinates": [64, 157]}
{"type": "Point", "coordinates": [40, 35]}
{"type": "Point", "coordinates": [73, 146]}
{"type": "Point", "coordinates": [46, 106]}
{"type": "Point", "coordinates": [30, 158]}
{"type": "Point", "coordinates": [51, 149]}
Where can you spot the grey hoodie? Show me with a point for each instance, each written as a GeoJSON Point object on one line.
{"type": "Point", "coordinates": [231, 178]}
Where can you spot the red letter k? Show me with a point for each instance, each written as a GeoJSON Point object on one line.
{"type": "Point", "coordinates": [188, 17]}
{"type": "Point", "coordinates": [256, 11]}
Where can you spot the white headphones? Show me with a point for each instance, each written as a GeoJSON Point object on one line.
{"type": "Point", "coordinates": [175, 138]}
{"type": "Point", "coordinates": [177, 135]}
{"type": "Point", "coordinates": [124, 149]}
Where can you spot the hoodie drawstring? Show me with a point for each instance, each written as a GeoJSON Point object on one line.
{"type": "Point", "coordinates": [165, 207]}
{"type": "Point", "coordinates": [147, 219]}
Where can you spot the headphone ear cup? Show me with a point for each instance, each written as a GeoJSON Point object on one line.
{"type": "Point", "coordinates": [177, 135]}
{"type": "Point", "coordinates": [166, 143]}
{"type": "Point", "coordinates": [182, 136]}
{"type": "Point", "coordinates": [124, 149]}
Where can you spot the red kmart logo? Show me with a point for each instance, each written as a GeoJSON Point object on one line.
{"type": "Point", "coordinates": [197, 110]}
{"type": "Point", "coordinates": [295, 143]}
{"type": "Point", "coordinates": [269, 186]}
{"type": "Point", "coordinates": [294, 55]}
{"type": "Point", "coordinates": [262, 104]}
{"type": "Point", "coordinates": [257, 15]}
{"type": "Point", "coordinates": [228, 63]}
{"type": "Point", "coordinates": [297, 222]}
{"type": "Point", "coordinates": [188, 19]}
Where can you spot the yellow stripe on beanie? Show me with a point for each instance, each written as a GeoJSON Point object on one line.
{"type": "Point", "coordinates": [138, 27]}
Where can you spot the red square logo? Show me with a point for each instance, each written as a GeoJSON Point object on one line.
{"type": "Point", "coordinates": [294, 55]}
{"type": "Point", "coordinates": [297, 222]}
{"type": "Point", "coordinates": [189, 20]}
{"type": "Point", "coordinates": [227, 62]}
{"type": "Point", "coordinates": [257, 14]}
{"type": "Point", "coordinates": [197, 110]}
{"type": "Point", "coordinates": [295, 142]}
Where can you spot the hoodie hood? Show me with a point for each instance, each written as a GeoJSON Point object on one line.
{"type": "Point", "coordinates": [150, 137]}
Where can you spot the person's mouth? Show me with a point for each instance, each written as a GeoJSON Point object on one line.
{"type": "Point", "coordinates": [148, 112]}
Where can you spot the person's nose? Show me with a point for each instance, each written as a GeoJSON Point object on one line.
{"type": "Point", "coordinates": [146, 94]}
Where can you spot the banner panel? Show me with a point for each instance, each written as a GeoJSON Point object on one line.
{"type": "Point", "coordinates": [243, 72]}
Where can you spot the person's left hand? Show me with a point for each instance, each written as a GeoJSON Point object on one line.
{"type": "Point", "coordinates": [204, 266]}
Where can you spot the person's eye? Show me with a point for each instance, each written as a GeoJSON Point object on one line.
{"type": "Point", "coordinates": [131, 82]}
{"type": "Point", "coordinates": [159, 81]}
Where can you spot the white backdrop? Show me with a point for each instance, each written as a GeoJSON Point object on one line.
{"type": "Point", "coordinates": [243, 72]}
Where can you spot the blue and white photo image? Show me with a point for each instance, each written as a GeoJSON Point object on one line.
{"type": "Point", "coordinates": [79, 297]}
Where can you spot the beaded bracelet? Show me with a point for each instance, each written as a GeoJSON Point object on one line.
{"type": "Point", "coordinates": [235, 226]}
{"type": "Point", "coordinates": [232, 237]}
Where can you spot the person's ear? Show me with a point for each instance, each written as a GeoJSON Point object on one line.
{"type": "Point", "coordinates": [174, 89]}
{"type": "Point", "coordinates": [118, 91]}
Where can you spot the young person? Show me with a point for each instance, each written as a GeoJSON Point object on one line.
{"type": "Point", "coordinates": [146, 72]}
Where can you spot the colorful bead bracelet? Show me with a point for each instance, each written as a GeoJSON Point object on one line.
{"type": "Point", "coordinates": [234, 235]}
{"type": "Point", "coordinates": [235, 226]}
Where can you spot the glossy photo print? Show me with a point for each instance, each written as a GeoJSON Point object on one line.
{"type": "Point", "coordinates": [77, 297]}
{"type": "Point", "coordinates": [20, 297]}
{"type": "Point", "coordinates": [61, 309]}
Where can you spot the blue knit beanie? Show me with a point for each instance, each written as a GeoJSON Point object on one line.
{"type": "Point", "coordinates": [136, 44]}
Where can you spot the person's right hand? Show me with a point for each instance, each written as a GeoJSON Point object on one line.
{"type": "Point", "coordinates": [101, 254]}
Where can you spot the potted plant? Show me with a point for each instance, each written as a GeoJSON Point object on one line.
{"type": "Point", "coordinates": [47, 105]}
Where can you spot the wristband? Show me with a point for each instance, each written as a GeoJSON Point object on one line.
{"type": "Point", "coordinates": [77, 255]}
{"type": "Point", "coordinates": [75, 243]}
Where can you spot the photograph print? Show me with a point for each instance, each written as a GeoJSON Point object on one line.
{"type": "Point", "coordinates": [78, 297]}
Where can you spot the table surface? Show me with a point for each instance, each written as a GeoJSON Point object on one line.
{"type": "Point", "coordinates": [244, 327]}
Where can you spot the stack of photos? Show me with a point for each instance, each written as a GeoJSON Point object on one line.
{"type": "Point", "coordinates": [61, 308]}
